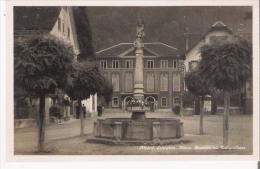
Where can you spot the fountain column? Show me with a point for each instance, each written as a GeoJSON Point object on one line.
{"type": "Point", "coordinates": [138, 76]}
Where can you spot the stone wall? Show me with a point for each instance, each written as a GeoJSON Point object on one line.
{"type": "Point", "coordinates": [232, 111]}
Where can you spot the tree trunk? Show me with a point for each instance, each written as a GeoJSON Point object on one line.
{"type": "Point", "coordinates": [81, 119]}
{"type": "Point", "coordinates": [54, 101]}
{"type": "Point", "coordinates": [226, 117]}
{"type": "Point", "coordinates": [41, 131]}
{"type": "Point", "coordinates": [213, 106]}
{"type": "Point", "coordinates": [201, 114]}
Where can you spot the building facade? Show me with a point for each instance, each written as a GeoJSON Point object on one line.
{"type": "Point", "coordinates": [218, 32]}
{"type": "Point", "coordinates": [162, 73]}
{"type": "Point", "coordinates": [56, 21]}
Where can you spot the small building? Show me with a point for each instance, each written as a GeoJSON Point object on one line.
{"type": "Point", "coordinates": [57, 21]}
{"type": "Point", "coordinates": [189, 46]}
{"type": "Point", "coordinates": [218, 32]}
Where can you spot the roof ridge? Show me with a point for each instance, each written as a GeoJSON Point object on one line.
{"type": "Point", "coordinates": [219, 22]}
{"type": "Point", "coordinates": [114, 46]}
{"type": "Point", "coordinates": [162, 44]}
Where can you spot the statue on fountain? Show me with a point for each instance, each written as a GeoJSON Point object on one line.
{"type": "Point", "coordinates": [140, 30]}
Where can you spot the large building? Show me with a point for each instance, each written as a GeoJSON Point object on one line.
{"type": "Point", "coordinates": [162, 76]}
{"type": "Point", "coordinates": [163, 68]}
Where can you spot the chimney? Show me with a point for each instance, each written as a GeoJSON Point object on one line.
{"type": "Point", "coordinates": [187, 36]}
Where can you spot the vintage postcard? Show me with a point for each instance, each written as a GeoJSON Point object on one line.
{"type": "Point", "coordinates": [172, 81]}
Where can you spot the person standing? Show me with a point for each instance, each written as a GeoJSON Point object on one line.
{"type": "Point", "coordinates": [84, 109]}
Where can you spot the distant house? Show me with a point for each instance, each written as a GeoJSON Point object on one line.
{"type": "Point", "coordinates": [191, 43]}
{"type": "Point", "coordinates": [162, 78]}
{"type": "Point", "coordinates": [57, 21]}
{"type": "Point", "coordinates": [218, 32]}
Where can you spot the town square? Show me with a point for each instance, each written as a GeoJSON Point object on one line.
{"type": "Point", "coordinates": [156, 81]}
{"type": "Point", "coordinates": [137, 77]}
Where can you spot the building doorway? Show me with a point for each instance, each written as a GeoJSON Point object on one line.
{"type": "Point", "coordinates": [151, 100]}
{"type": "Point", "coordinates": [126, 99]}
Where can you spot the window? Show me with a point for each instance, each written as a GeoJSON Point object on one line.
{"type": "Point", "coordinates": [176, 100]}
{"type": "Point", "coordinates": [150, 82]}
{"type": "Point", "coordinates": [150, 64]}
{"type": "Point", "coordinates": [128, 82]}
{"type": "Point", "coordinates": [192, 65]}
{"type": "Point", "coordinates": [164, 64]}
{"type": "Point", "coordinates": [128, 64]}
{"type": "Point", "coordinates": [115, 64]}
{"type": "Point", "coordinates": [59, 24]}
{"type": "Point", "coordinates": [63, 27]}
{"type": "Point", "coordinates": [103, 64]}
{"type": "Point", "coordinates": [176, 83]}
{"type": "Point", "coordinates": [175, 64]}
{"type": "Point", "coordinates": [218, 39]}
{"type": "Point", "coordinates": [68, 33]}
{"type": "Point", "coordinates": [115, 82]}
{"type": "Point", "coordinates": [164, 102]}
{"type": "Point", "coordinates": [164, 82]}
{"type": "Point", "coordinates": [115, 102]}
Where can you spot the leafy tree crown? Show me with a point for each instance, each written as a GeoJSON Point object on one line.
{"type": "Point", "coordinates": [226, 65]}
{"type": "Point", "coordinates": [42, 64]}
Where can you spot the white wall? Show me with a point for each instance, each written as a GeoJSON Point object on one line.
{"type": "Point", "coordinates": [65, 17]}
{"type": "Point", "coordinates": [89, 105]}
{"type": "Point", "coordinates": [193, 54]}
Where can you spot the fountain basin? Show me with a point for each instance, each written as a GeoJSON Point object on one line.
{"type": "Point", "coordinates": [150, 130]}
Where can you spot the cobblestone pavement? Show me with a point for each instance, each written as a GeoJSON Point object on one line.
{"type": "Point", "coordinates": [64, 138]}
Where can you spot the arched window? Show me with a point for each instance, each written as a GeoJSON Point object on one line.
{"type": "Point", "coordinates": [150, 82]}
{"type": "Point", "coordinates": [115, 82]}
{"type": "Point", "coordinates": [128, 82]}
{"type": "Point", "coordinates": [164, 82]}
{"type": "Point", "coordinates": [176, 83]}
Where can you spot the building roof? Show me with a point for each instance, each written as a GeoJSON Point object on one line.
{"type": "Point", "coordinates": [162, 49]}
{"type": "Point", "coordinates": [115, 50]}
{"type": "Point", "coordinates": [150, 49]}
{"type": "Point", "coordinates": [35, 18]}
{"type": "Point", "coordinates": [194, 39]}
{"type": "Point", "coordinates": [219, 26]}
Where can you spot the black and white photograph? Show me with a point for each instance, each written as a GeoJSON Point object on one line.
{"type": "Point", "coordinates": [164, 80]}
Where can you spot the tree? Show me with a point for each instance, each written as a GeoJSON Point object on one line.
{"type": "Point", "coordinates": [84, 80]}
{"type": "Point", "coordinates": [198, 87]}
{"type": "Point", "coordinates": [106, 90]}
{"type": "Point", "coordinates": [227, 66]}
{"type": "Point", "coordinates": [42, 66]}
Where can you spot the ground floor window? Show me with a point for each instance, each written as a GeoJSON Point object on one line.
{"type": "Point", "coordinates": [115, 102]}
{"type": "Point", "coordinates": [176, 100]}
{"type": "Point", "coordinates": [164, 102]}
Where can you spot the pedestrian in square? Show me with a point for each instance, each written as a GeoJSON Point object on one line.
{"type": "Point", "coordinates": [84, 111]}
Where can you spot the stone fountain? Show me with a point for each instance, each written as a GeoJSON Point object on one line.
{"type": "Point", "coordinates": [138, 129]}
